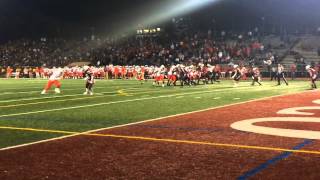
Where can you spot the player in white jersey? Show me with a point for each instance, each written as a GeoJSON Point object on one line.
{"type": "Point", "coordinates": [159, 75]}
{"type": "Point", "coordinates": [54, 78]}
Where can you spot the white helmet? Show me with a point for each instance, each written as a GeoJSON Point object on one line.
{"type": "Point", "coordinates": [85, 68]}
{"type": "Point", "coordinates": [308, 67]}
{"type": "Point", "coordinates": [235, 66]}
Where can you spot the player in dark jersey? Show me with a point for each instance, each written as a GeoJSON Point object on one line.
{"type": "Point", "coordinates": [89, 79]}
{"type": "Point", "coordinates": [236, 75]}
{"type": "Point", "coordinates": [256, 76]}
{"type": "Point", "coordinates": [280, 74]}
{"type": "Point", "coordinates": [313, 76]}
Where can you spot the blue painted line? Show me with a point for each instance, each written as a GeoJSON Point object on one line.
{"type": "Point", "coordinates": [273, 160]}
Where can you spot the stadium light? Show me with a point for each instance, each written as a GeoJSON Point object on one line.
{"type": "Point", "coordinates": [165, 10]}
{"type": "Point", "coordinates": [176, 8]}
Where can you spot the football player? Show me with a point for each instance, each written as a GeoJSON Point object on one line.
{"type": "Point", "coordinates": [280, 74]}
{"type": "Point", "coordinates": [256, 76]}
{"type": "Point", "coordinates": [236, 75]}
{"type": "Point", "coordinates": [57, 74]}
{"type": "Point", "coordinates": [313, 76]}
{"type": "Point", "coordinates": [89, 77]}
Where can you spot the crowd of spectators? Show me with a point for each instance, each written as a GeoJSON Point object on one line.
{"type": "Point", "coordinates": [151, 50]}
{"type": "Point", "coordinates": [43, 52]}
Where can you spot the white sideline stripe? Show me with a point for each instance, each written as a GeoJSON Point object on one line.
{"type": "Point", "coordinates": [72, 95]}
{"type": "Point", "coordinates": [99, 95]}
{"type": "Point", "coordinates": [106, 82]}
{"type": "Point", "coordinates": [144, 97]}
{"type": "Point", "coordinates": [106, 103]}
{"type": "Point", "coordinates": [149, 120]}
{"type": "Point", "coordinates": [59, 96]}
{"type": "Point", "coordinates": [34, 92]}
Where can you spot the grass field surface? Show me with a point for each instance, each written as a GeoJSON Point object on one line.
{"type": "Point", "coordinates": [115, 102]}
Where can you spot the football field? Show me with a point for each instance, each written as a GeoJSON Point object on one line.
{"type": "Point", "coordinates": [128, 130]}
{"type": "Point", "coordinates": [115, 102]}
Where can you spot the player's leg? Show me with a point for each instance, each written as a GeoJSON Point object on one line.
{"type": "Point", "coordinates": [87, 88]}
{"type": "Point", "coordinates": [284, 79]}
{"type": "Point", "coordinates": [90, 88]}
{"type": "Point", "coordinates": [58, 85]}
{"type": "Point", "coordinates": [259, 81]}
{"type": "Point", "coordinates": [313, 84]}
{"type": "Point", "coordinates": [278, 78]}
{"type": "Point", "coordinates": [47, 87]}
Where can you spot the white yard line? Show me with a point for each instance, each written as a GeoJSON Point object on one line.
{"type": "Point", "coordinates": [38, 92]}
{"type": "Point", "coordinates": [120, 92]}
{"type": "Point", "coordinates": [140, 122]}
{"type": "Point", "coordinates": [105, 103]}
{"type": "Point", "coordinates": [58, 96]}
{"type": "Point", "coordinates": [99, 95]}
{"type": "Point", "coordinates": [39, 98]}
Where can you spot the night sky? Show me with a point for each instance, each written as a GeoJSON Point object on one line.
{"type": "Point", "coordinates": [32, 18]}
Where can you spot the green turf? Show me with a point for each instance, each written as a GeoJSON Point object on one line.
{"type": "Point", "coordinates": [115, 102]}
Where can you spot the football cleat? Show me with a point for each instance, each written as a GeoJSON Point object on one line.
{"type": "Point", "coordinates": [57, 90]}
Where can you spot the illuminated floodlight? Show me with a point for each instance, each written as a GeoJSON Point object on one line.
{"type": "Point", "coordinates": [176, 8]}
{"type": "Point", "coordinates": [166, 11]}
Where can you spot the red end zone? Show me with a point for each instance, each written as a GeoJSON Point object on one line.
{"type": "Point", "coordinates": [193, 146]}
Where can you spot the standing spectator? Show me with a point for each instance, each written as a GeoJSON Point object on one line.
{"type": "Point", "coordinates": [293, 70]}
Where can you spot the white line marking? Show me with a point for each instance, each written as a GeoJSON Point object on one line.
{"type": "Point", "coordinates": [52, 97]}
{"type": "Point", "coordinates": [248, 126]}
{"type": "Point", "coordinates": [105, 103]}
{"type": "Point", "coordinates": [63, 100]}
{"type": "Point", "coordinates": [38, 92]}
{"type": "Point", "coordinates": [236, 98]}
{"type": "Point", "coordinates": [295, 110]}
{"type": "Point", "coordinates": [97, 95]}
{"type": "Point", "coordinates": [317, 101]}
{"type": "Point", "coordinates": [217, 98]}
{"type": "Point", "coordinates": [150, 120]}
{"type": "Point", "coordinates": [37, 98]}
